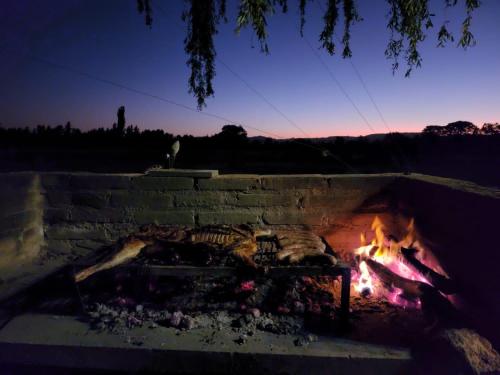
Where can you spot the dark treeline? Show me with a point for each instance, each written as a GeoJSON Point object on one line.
{"type": "Point", "coordinates": [127, 149]}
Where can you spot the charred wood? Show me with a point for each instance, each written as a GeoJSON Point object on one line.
{"type": "Point", "coordinates": [444, 284]}
{"type": "Point", "coordinates": [438, 310]}
{"type": "Point", "coordinates": [411, 288]}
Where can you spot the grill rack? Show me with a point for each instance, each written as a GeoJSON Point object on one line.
{"type": "Point", "coordinates": [266, 254]}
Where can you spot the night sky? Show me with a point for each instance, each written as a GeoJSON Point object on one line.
{"type": "Point", "coordinates": [108, 39]}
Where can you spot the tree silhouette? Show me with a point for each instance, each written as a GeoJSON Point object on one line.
{"type": "Point", "coordinates": [409, 21]}
{"type": "Point", "coordinates": [231, 151]}
{"type": "Point", "coordinates": [490, 129]}
{"type": "Point", "coordinates": [231, 136]}
{"type": "Point", "coordinates": [453, 128]}
{"type": "Point", "coordinates": [121, 120]}
{"type": "Point", "coordinates": [234, 132]}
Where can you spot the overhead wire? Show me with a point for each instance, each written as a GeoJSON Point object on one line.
{"type": "Point", "coordinates": [73, 70]}
{"type": "Point", "coordinates": [259, 94]}
{"type": "Point", "coordinates": [244, 81]}
{"type": "Point", "coordinates": [370, 96]}
{"type": "Point", "coordinates": [339, 85]}
{"type": "Point", "coordinates": [175, 103]}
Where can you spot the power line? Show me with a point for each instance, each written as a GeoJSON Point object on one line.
{"type": "Point", "coordinates": [339, 85]}
{"type": "Point", "coordinates": [264, 99]}
{"type": "Point", "coordinates": [361, 80]}
{"type": "Point", "coordinates": [140, 92]}
{"type": "Point", "coordinates": [246, 83]}
{"type": "Point", "coordinates": [70, 69]}
{"type": "Point", "coordinates": [259, 94]}
{"type": "Point", "coordinates": [370, 96]}
{"type": "Point", "coordinates": [172, 102]}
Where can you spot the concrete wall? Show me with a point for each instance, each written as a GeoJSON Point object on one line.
{"type": "Point", "coordinates": [21, 221]}
{"type": "Point", "coordinates": [460, 223]}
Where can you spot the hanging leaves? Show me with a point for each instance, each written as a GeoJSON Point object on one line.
{"type": "Point", "coordinates": [408, 21]}
{"type": "Point", "coordinates": [202, 20]}
{"type": "Point", "coordinates": [254, 12]}
{"type": "Point", "coordinates": [330, 18]}
{"type": "Point", "coordinates": [444, 35]}
{"type": "Point", "coordinates": [144, 6]}
{"type": "Point", "coordinates": [467, 39]}
{"type": "Point", "coordinates": [302, 10]}
{"type": "Point", "coordinates": [350, 16]}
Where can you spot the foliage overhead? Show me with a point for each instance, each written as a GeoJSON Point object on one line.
{"type": "Point", "coordinates": [409, 21]}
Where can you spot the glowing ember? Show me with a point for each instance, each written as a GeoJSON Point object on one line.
{"type": "Point", "coordinates": [385, 250]}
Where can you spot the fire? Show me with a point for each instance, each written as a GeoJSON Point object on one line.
{"type": "Point", "coordinates": [384, 249]}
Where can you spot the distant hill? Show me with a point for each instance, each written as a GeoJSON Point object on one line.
{"type": "Point", "coordinates": [369, 137]}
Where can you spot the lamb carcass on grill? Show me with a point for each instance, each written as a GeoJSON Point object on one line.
{"type": "Point", "coordinates": [239, 240]}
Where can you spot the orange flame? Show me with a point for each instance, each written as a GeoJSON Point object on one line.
{"type": "Point", "coordinates": [385, 250]}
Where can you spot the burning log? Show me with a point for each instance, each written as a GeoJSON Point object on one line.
{"type": "Point", "coordinates": [411, 288]}
{"type": "Point", "coordinates": [436, 307]}
{"type": "Point", "coordinates": [444, 284]}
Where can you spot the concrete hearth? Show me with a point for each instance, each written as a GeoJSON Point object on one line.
{"type": "Point", "coordinates": [64, 342]}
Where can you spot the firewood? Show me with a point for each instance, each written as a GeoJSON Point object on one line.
{"type": "Point", "coordinates": [411, 288]}
{"type": "Point", "coordinates": [442, 283]}
{"type": "Point", "coordinates": [437, 309]}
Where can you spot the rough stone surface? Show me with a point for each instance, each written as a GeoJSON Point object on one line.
{"type": "Point", "coordinates": [294, 182]}
{"type": "Point", "coordinates": [239, 216]}
{"type": "Point", "coordinates": [93, 181]}
{"type": "Point", "coordinates": [203, 199]}
{"type": "Point", "coordinates": [90, 199]}
{"type": "Point", "coordinates": [182, 217]}
{"type": "Point", "coordinates": [73, 232]}
{"type": "Point", "coordinates": [17, 220]}
{"type": "Point", "coordinates": [198, 173]}
{"type": "Point", "coordinates": [162, 183]}
{"type": "Point", "coordinates": [55, 180]}
{"type": "Point", "coordinates": [233, 182]}
{"type": "Point", "coordinates": [55, 215]}
{"type": "Point", "coordinates": [266, 199]}
{"type": "Point", "coordinates": [295, 216]}
{"type": "Point", "coordinates": [12, 203]}
{"type": "Point", "coordinates": [57, 198]}
{"type": "Point", "coordinates": [459, 351]}
{"type": "Point", "coordinates": [58, 247]}
{"type": "Point", "coordinates": [104, 215]}
{"type": "Point", "coordinates": [126, 198]}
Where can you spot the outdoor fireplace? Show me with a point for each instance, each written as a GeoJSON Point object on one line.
{"type": "Point", "coordinates": [383, 228]}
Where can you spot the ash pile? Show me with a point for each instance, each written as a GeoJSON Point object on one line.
{"type": "Point", "coordinates": [293, 306]}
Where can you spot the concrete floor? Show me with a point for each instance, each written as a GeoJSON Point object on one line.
{"type": "Point", "coordinates": [64, 342]}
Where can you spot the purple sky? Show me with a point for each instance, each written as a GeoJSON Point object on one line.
{"type": "Point", "coordinates": [108, 39]}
